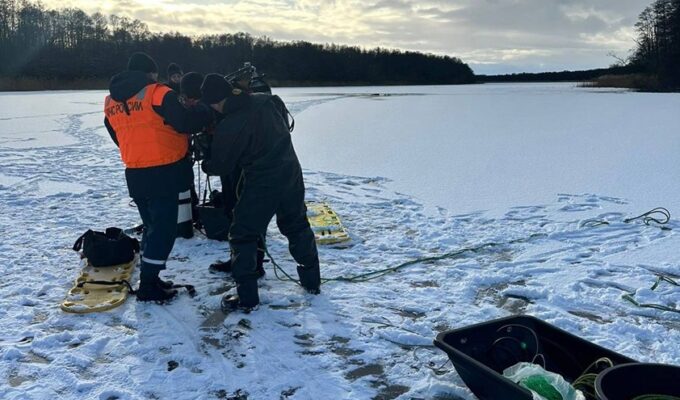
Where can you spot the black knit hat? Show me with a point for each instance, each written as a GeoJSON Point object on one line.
{"type": "Point", "coordinates": [174, 69]}
{"type": "Point", "coordinates": [190, 85]}
{"type": "Point", "coordinates": [142, 62]}
{"type": "Point", "coordinates": [215, 89]}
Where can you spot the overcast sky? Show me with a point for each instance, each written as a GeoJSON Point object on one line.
{"type": "Point", "coordinates": [493, 36]}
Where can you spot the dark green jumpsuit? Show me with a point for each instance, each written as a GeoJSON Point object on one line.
{"type": "Point", "coordinates": [255, 137]}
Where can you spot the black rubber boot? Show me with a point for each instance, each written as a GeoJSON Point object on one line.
{"type": "Point", "coordinates": [155, 292]}
{"type": "Point", "coordinates": [231, 303]}
{"type": "Point", "coordinates": [152, 288]}
{"type": "Point", "coordinates": [166, 284]}
{"type": "Point", "coordinates": [310, 278]}
{"type": "Point", "coordinates": [221, 266]}
{"type": "Point", "coordinates": [226, 265]}
{"type": "Point", "coordinates": [246, 298]}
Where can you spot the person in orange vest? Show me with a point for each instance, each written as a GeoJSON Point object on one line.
{"type": "Point", "coordinates": [151, 127]}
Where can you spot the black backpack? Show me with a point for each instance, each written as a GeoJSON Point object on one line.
{"type": "Point", "coordinates": [109, 248]}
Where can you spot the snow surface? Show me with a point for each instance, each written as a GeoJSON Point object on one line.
{"type": "Point", "coordinates": [491, 147]}
{"type": "Point", "coordinates": [422, 171]}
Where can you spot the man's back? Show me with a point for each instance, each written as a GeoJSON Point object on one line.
{"type": "Point", "coordinates": [255, 137]}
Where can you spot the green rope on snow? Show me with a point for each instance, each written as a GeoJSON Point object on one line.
{"type": "Point", "coordinates": [647, 218]}
{"type": "Point", "coordinates": [593, 223]}
{"type": "Point", "coordinates": [277, 267]}
{"type": "Point", "coordinates": [664, 278]}
{"type": "Point", "coordinates": [661, 278]}
{"type": "Point", "coordinates": [372, 275]}
{"type": "Point", "coordinates": [659, 215]}
{"type": "Point", "coordinates": [385, 271]}
{"type": "Point", "coordinates": [368, 276]}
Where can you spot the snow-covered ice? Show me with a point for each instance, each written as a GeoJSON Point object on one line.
{"type": "Point", "coordinates": [491, 147]}
{"type": "Point", "coordinates": [511, 170]}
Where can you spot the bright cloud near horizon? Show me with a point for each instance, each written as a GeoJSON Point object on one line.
{"type": "Point", "coordinates": [493, 36]}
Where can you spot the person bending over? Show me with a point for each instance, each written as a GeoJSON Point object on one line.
{"type": "Point", "coordinates": [254, 135]}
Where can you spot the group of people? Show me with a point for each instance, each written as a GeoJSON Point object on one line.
{"type": "Point", "coordinates": [152, 124]}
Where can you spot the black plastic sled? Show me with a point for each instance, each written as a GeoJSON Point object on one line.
{"type": "Point", "coordinates": [630, 381]}
{"type": "Point", "coordinates": [481, 352]}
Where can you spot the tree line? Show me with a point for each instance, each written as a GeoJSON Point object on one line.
{"type": "Point", "coordinates": [68, 44]}
{"type": "Point", "coordinates": [657, 50]}
{"type": "Point", "coordinates": [561, 76]}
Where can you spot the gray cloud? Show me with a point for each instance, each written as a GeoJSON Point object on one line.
{"type": "Point", "coordinates": [493, 35]}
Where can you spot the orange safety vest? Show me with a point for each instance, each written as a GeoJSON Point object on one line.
{"type": "Point", "coordinates": [143, 137]}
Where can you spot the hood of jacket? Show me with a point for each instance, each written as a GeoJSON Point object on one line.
{"type": "Point", "coordinates": [237, 103]}
{"type": "Point", "coordinates": [127, 84]}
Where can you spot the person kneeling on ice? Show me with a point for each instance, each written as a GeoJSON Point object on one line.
{"type": "Point", "coordinates": [150, 126]}
{"type": "Point", "coordinates": [254, 135]}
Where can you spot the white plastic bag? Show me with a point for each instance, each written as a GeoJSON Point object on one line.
{"type": "Point", "coordinates": [527, 375]}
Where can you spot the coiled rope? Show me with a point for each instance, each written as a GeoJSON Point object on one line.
{"type": "Point", "coordinates": [658, 215]}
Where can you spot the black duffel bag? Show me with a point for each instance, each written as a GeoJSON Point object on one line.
{"type": "Point", "coordinates": [213, 218]}
{"type": "Point", "coordinates": [109, 248]}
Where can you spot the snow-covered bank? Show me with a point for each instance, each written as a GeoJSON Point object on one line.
{"type": "Point", "coordinates": [355, 340]}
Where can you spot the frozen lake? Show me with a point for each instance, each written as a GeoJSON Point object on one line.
{"type": "Point", "coordinates": [541, 159]}
{"type": "Point", "coordinates": [463, 148]}
{"type": "Point", "coordinates": [488, 147]}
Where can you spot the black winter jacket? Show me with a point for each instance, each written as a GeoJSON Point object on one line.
{"type": "Point", "coordinates": [164, 180]}
{"type": "Point", "coordinates": [254, 136]}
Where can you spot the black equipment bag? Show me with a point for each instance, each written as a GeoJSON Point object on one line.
{"type": "Point", "coordinates": [215, 222]}
{"type": "Point", "coordinates": [213, 217]}
{"type": "Point", "coordinates": [109, 248]}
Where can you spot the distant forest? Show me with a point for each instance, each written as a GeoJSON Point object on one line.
{"type": "Point", "coordinates": [561, 76]}
{"type": "Point", "coordinates": [69, 45]}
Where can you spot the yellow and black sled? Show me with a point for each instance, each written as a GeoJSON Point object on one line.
{"type": "Point", "coordinates": [326, 224]}
{"type": "Point", "coordinates": [99, 288]}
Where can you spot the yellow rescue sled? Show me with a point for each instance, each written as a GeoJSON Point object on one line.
{"type": "Point", "coordinates": [326, 224]}
{"type": "Point", "coordinates": [99, 288]}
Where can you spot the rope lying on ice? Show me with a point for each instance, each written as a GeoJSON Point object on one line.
{"type": "Point", "coordinates": [664, 218]}
{"type": "Point", "coordinates": [277, 267]}
{"type": "Point", "coordinates": [659, 215]}
{"type": "Point", "coordinates": [660, 279]}
{"type": "Point", "coordinates": [368, 276]}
